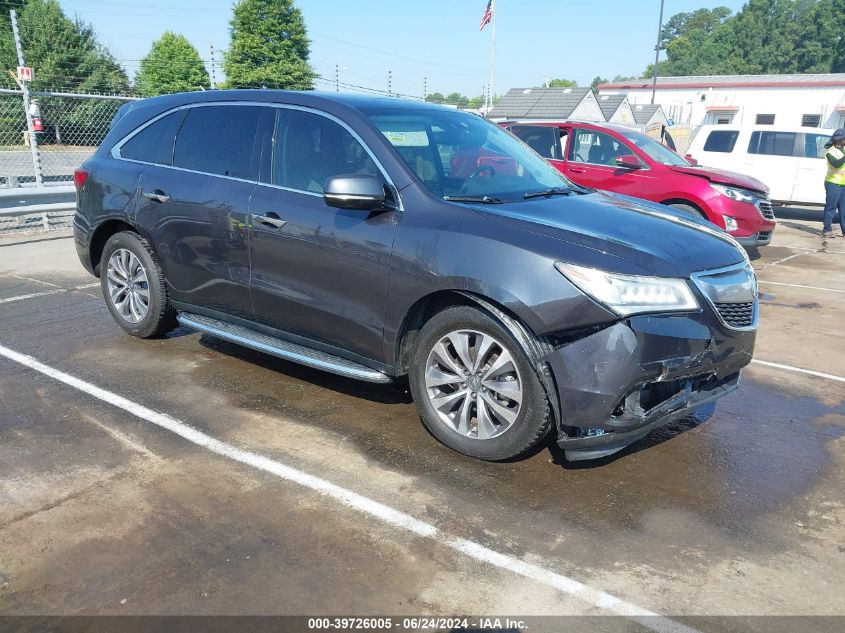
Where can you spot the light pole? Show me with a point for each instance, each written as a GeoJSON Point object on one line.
{"type": "Point", "coordinates": [657, 53]}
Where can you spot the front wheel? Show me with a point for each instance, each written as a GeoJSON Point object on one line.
{"type": "Point", "coordinates": [133, 286]}
{"type": "Point", "coordinates": [475, 389]}
{"type": "Point", "coordinates": [689, 210]}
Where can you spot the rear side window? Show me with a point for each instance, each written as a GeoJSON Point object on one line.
{"type": "Point", "coordinates": [543, 139]}
{"type": "Point", "coordinates": [219, 140]}
{"type": "Point", "coordinates": [772, 143]}
{"type": "Point", "coordinates": [154, 143]}
{"type": "Point", "coordinates": [721, 141]}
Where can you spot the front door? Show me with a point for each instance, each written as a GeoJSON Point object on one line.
{"type": "Point", "coordinates": [318, 271]}
{"type": "Point", "coordinates": [591, 161]}
{"type": "Point", "coordinates": [196, 210]}
{"type": "Point", "coordinates": [773, 158]}
{"type": "Point", "coordinates": [812, 169]}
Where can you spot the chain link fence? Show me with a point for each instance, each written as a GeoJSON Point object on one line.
{"type": "Point", "coordinates": [68, 129]}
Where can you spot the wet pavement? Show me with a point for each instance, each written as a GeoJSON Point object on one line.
{"type": "Point", "coordinates": [738, 509]}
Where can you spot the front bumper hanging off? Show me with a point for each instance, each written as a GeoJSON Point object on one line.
{"type": "Point", "coordinates": [644, 372]}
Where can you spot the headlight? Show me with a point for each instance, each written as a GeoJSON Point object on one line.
{"type": "Point", "coordinates": [631, 294]}
{"type": "Point", "coordinates": [741, 195]}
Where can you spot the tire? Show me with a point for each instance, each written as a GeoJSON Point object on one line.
{"type": "Point", "coordinates": [689, 210]}
{"type": "Point", "coordinates": [484, 423]}
{"type": "Point", "coordinates": [139, 317]}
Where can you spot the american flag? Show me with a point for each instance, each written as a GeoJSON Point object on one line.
{"type": "Point", "coordinates": [488, 15]}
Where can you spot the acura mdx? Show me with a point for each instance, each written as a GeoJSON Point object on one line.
{"type": "Point", "coordinates": [381, 239]}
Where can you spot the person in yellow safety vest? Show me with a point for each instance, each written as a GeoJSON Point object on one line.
{"type": "Point", "coordinates": [834, 184]}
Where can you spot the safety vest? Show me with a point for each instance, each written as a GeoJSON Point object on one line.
{"type": "Point", "coordinates": [836, 175]}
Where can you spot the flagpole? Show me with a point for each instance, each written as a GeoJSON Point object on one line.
{"type": "Point", "coordinates": [492, 61]}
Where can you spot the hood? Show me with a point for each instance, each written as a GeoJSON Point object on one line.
{"type": "Point", "coordinates": [723, 177]}
{"type": "Point", "coordinates": [656, 239]}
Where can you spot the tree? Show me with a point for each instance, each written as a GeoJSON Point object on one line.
{"type": "Point", "coordinates": [64, 53]}
{"type": "Point", "coordinates": [561, 83]}
{"type": "Point", "coordinates": [456, 98]}
{"type": "Point", "coordinates": [435, 97]}
{"type": "Point", "coordinates": [269, 46]}
{"type": "Point", "coordinates": [597, 81]}
{"type": "Point", "coordinates": [172, 65]}
{"type": "Point", "coordinates": [623, 78]}
{"type": "Point", "coordinates": [680, 24]}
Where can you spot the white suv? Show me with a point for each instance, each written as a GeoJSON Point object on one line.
{"type": "Point", "coordinates": [789, 160]}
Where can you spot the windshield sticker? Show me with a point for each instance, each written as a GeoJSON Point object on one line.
{"type": "Point", "coordinates": [406, 138]}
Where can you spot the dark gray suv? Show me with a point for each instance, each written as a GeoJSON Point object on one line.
{"type": "Point", "coordinates": [382, 238]}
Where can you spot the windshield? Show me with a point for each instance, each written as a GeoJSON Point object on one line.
{"type": "Point", "coordinates": [657, 152]}
{"type": "Point", "coordinates": [456, 154]}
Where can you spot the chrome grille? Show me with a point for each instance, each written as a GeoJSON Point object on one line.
{"type": "Point", "coordinates": [766, 209]}
{"type": "Point", "coordinates": [737, 314]}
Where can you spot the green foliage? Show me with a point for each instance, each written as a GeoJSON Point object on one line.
{"type": "Point", "coordinates": [172, 65]}
{"type": "Point", "coordinates": [765, 37]}
{"type": "Point", "coordinates": [597, 81]}
{"type": "Point", "coordinates": [561, 83]}
{"type": "Point", "coordinates": [435, 97]}
{"type": "Point", "coordinates": [269, 46]}
{"type": "Point", "coordinates": [622, 78]}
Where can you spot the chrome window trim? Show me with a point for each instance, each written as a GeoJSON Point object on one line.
{"type": "Point", "coordinates": [115, 150]}
{"type": "Point", "coordinates": [696, 279]}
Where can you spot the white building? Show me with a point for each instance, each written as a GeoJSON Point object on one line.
{"type": "Point", "coordinates": [792, 100]}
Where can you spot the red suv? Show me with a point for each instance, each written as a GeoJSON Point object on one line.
{"type": "Point", "coordinates": [623, 160]}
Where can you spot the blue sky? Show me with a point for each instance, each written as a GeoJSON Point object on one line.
{"type": "Point", "coordinates": [436, 39]}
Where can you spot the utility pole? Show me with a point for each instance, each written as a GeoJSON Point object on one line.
{"type": "Point", "coordinates": [213, 71]}
{"type": "Point", "coordinates": [33, 148]}
{"type": "Point", "coordinates": [425, 87]}
{"type": "Point", "coordinates": [657, 53]}
{"type": "Point", "coordinates": [337, 77]}
{"type": "Point", "coordinates": [390, 83]}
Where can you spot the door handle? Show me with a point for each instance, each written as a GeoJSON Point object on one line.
{"type": "Point", "coordinates": [270, 218]}
{"type": "Point", "coordinates": [158, 197]}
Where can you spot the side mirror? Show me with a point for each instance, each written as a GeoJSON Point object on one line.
{"type": "Point", "coordinates": [629, 161]}
{"type": "Point", "coordinates": [360, 193]}
{"type": "Point", "coordinates": [691, 160]}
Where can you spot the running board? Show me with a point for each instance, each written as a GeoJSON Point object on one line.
{"type": "Point", "coordinates": [283, 349]}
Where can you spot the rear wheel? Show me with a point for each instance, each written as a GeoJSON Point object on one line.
{"type": "Point", "coordinates": [133, 286]}
{"type": "Point", "coordinates": [475, 388]}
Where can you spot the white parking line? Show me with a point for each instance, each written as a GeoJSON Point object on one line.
{"type": "Point", "coordinates": [780, 261]}
{"type": "Point", "coordinates": [780, 283]}
{"type": "Point", "coordinates": [593, 597]}
{"type": "Point", "coordinates": [33, 295]}
{"type": "Point", "coordinates": [800, 370]}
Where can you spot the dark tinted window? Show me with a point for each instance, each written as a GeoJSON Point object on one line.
{"type": "Point", "coordinates": [543, 139]}
{"type": "Point", "coordinates": [765, 119]}
{"type": "Point", "coordinates": [811, 120]}
{"type": "Point", "coordinates": [721, 141]}
{"type": "Point", "coordinates": [219, 140]}
{"type": "Point", "coordinates": [772, 143]}
{"type": "Point", "coordinates": [154, 144]}
{"type": "Point", "coordinates": [311, 148]}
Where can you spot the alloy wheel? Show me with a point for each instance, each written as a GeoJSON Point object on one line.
{"type": "Point", "coordinates": [128, 286]}
{"type": "Point", "coordinates": [473, 384]}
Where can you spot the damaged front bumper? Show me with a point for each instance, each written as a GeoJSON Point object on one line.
{"type": "Point", "coordinates": [645, 372]}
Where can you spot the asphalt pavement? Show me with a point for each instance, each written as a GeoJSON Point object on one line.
{"type": "Point", "coordinates": [189, 476]}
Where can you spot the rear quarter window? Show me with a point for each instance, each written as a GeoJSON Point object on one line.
{"type": "Point", "coordinates": [721, 141]}
{"type": "Point", "coordinates": [154, 143]}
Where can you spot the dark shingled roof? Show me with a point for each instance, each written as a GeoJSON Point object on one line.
{"type": "Point", "coordinates": [539, 103]}
{"type": "Point", "coordinates": [609, 104]}
{"type": "Point", "coordinates": [642, 113]}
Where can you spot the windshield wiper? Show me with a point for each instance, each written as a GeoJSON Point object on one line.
{"type": "Point", "coordinates": [554, 191]}
{"type": "Point", "coordinates": [481, 199]}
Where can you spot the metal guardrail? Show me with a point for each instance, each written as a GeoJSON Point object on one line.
{"type": "Point", "coordinates": [31, 209]}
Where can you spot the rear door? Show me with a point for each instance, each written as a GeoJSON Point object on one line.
{"type": "Point", "coordinates": [591, 161]}
{"type": "Point", "coordinates": [772, 158]}
{"type": "Point", "coordinates": [319, 271]}
{"type": "Point", "coordinates": [195, 211]}
{"type": "Point", "coordinates": [812, 168]}
{"type": "Point", "coordinates": [547, 140]}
